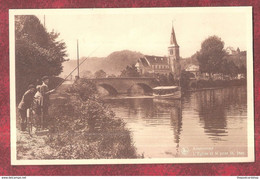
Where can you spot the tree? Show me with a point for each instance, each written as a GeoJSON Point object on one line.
{"type": "Point", "coordinates": [232, 69]}
{"type": "Point", "coordinates": [130, 71]}
{"type": "Point", "coordinates": [242, 70]}
{"type": "Point", "coordinates": [229, 68]}
{"type": "Point", "coordinates": [84, 88]}
{"type": "Point", "coordinates": [185, 79]}
{"type": "Point", "coordinates": [171, 80]}
{"type": "Point", "coordinates": [100, 74]}
{"type": "Point", "coordinates": [211, 55]}
{"type": "Point", "coordinates": [37, 52]}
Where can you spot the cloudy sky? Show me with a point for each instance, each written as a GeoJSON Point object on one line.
{"type": "Point", "coordinates": [146, 30]}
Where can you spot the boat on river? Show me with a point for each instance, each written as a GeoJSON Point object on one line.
{"type": "Point", "coordinates": [173, 92]}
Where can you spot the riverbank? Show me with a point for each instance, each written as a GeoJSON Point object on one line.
{"type": "Point", "coordinates": [213, 88]}
{"type": "Point", "coordinates": [77, 129]}
{"type": "Point", "coordinates": [201, 85]}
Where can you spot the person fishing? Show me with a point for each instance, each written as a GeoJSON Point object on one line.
{"type": "Point", "coordinates": [26, 104]}
{"type": "Point", "coordinates": [43, 100]}
{"type": "Point", "coordinates": [37, 105]}
{"type": "Point", "coordinates": [42, 97]}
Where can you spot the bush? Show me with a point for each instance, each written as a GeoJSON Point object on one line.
{"type": "Point", "coordinates": [83, 128]}
{"type": "Point", "coordinates": [85, 88]}
{"type": "Point", "coordinates": [54, 82]}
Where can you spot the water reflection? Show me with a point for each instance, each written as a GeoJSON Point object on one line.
{"type": "Point", "coordinates": [176, 123]}
{"type": "Point", "coordinates": [215, 106]}
{"type": "Point", "coordinates": [161, 128]}
{"type": "Point", "coordinates": [212, 113]}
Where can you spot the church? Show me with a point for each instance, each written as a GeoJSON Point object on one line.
{"type": "Point", "coordinates": [162, 64]}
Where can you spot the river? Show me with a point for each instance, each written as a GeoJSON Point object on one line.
{"type": "Point", "coordinates": [209, 123]}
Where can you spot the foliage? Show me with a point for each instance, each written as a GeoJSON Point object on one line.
{"type": "Point", "coordinates": [211, 55]}
{"type": "Point", "coordinates": [54, 82]}
{"type": "Point", "coordinates": [163, 79]}
{"type": "Point", "coordinates": [185, 80]}
{"type": "Point", "coordinates": [130, 71]}
{"type": "Point", "coordinates": [84, 128]}
{"type": "Point", "coordinates": [171, 80]}
{"type": "Point", "coordinates": [229, 68]}
{"type": "Point", "coordinates": [242, 70]}
{"type": "Point", "coordinates": [84, 88]}
{"type": "Point", "coordinates": [37, 52]}
{"type": "Point", "coordinates": [100, 74]}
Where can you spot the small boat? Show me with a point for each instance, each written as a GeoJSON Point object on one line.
{"type": "Point", "coordinates": [173, 92]}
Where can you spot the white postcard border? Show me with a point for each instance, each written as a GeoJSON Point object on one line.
{"type": "Point", "coordinates": [250, 88]}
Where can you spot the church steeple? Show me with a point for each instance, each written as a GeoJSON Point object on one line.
{"type": "Point", "coordinates": [173, 40]}
{"type": "Point", "coordinates": [174, 55]}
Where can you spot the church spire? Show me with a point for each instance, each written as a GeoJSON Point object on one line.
{"type": "Point", "coordinates": [174, 56]}
{"type": "Point", "coordinates": [173, 38]}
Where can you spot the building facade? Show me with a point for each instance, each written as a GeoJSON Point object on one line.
{"type": "Point", "coordinates": [160, 64]}
{"type": "Point", "coordinates": [153, 64]}
{"type": "Point", "coordinates": [194, 70]}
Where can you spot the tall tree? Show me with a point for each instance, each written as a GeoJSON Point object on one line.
{"type": "Point", "coordinates": [229, 68]}
{"type": "Point", "coordinates": [37, 52]}
{"type": "Point", "coordinates": [211, 55]}
{"type": "Point", "coordinates": [242, 70]}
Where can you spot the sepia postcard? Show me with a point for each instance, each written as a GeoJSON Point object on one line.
{"type": "Point", "coordinates": [131, 85]}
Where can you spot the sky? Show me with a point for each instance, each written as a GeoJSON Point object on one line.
{"type": "Point", "coordinates": [146, 30]}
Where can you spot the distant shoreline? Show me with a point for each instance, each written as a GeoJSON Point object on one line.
{"type": "Point", "coordinates": [213, 88]}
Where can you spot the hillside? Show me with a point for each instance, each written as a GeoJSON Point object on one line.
{"type": "Point", "coordinates": [112, 64]}
{"type": "Point", "coordinates": [117, 61]}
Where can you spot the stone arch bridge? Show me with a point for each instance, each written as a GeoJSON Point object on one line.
{"type": "Point", "coordinates": [123, 85]}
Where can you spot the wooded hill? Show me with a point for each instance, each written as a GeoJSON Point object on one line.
{"type": "Point", "coordinates": [112, 64]}
{"type": "Point", "coordinates": [117, 61]}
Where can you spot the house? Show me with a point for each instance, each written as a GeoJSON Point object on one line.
{"type": "Point", "coordinates": [194, 69]}
{"type": "Point", "coordinates": [153, 64]}
{"type": "Point", "coordinates": [232, 51]}
{"type": "Point", "coordinates": [162, 64]}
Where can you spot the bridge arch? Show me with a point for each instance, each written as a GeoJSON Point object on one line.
{"type": "Point", "coordinates": [146, 88]}
{"type": "Point", "coordinates": [110, 89]}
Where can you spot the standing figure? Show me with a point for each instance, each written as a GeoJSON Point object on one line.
{"type": "Point", "coordinates": [38, 103]}
{"type": "Point", "coordinates": [45, 92]}
{"type": "Point", "coordinates": [25, 104]}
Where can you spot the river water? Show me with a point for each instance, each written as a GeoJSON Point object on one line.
{"type": "Point", "coordinates": [209, 123]}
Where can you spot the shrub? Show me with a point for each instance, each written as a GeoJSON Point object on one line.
{"type": "Point", "coordinates": [83, 127]}
{"type": "Point", "coordinates": [85, 88]}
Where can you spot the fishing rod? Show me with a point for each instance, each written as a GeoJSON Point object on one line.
{"type": "Point", "coordinates": [75, 69]}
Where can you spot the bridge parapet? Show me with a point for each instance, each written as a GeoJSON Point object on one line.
{"type": "Point", "coordinates": [123, 85]}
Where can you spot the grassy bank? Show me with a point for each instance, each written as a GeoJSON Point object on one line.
{"type": "Point", "coordinates": [80, 127]}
